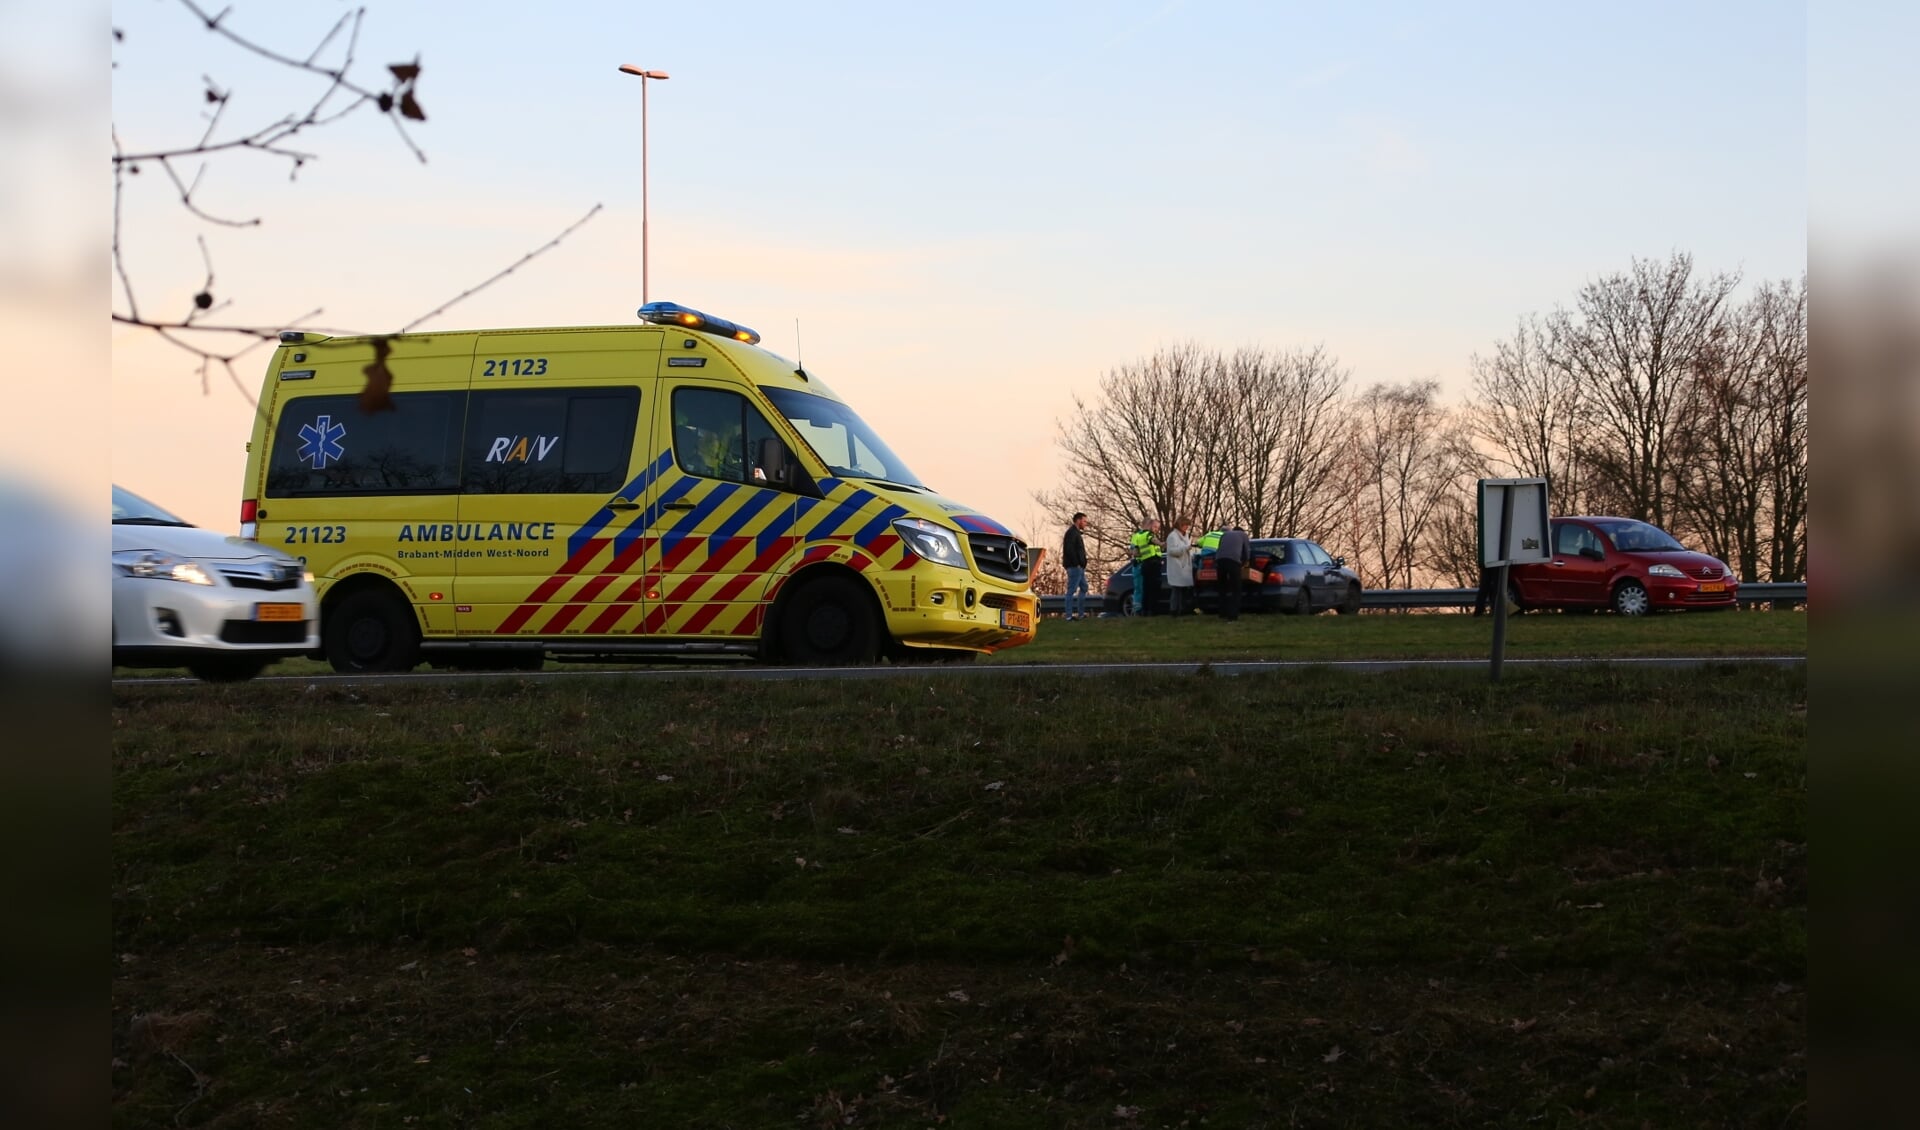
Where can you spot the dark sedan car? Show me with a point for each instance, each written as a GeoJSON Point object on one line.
{"type": "Point", "coordinates": [1293, 575]}
{"type": "Point", "coordinates": [1622, 564]}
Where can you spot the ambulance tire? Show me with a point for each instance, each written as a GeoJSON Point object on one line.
{"type": "Point", "coordinates": [830, 622]}
{"type": "Point", "coordinates": [371, 631]}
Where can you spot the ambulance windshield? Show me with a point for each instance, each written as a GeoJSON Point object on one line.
{"type": "Point", "coordinates": [841, 439]}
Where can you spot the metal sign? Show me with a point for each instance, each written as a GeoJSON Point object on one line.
{"type": "Point", "coordinates": [1513, 531]}
{"type": "Point", "coordinates": [1513, 522]}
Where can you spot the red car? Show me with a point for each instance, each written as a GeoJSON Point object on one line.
{"type": "Point", "coordinates": [1622, 564]}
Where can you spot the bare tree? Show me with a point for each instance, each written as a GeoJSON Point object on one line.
{"type": "Point", "coordinates": [1407, 456]}
{"type": "Point", "coordinates": [1140, 451]}
{"type": "Point", "coordinates": [1631, 346]}
{"type": "Point", "coordinates": [1525, 414]}
{"type": "Point", "coordinates": [1280, 446]}
{"type": "Point", "coordinates": [1453, 539]}
{"type": "Point", "coordinates": [1254, 437]}
{"type": "Point", "coordinates": [1740, 481]}
{"type": "Point", "coordinates": [1781, 311]}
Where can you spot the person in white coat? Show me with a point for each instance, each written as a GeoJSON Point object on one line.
{"type": "Point", "coordinates": [1179, 547]}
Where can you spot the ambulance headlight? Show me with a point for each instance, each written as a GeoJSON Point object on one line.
{"type": "Point", "coordinates": [160, 566]}
{"type": "Point", "coordinates": [935, 543]}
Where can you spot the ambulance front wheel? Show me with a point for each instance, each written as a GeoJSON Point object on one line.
{"type": "Point", "coordinates": [830, 623]}
{"type": "Point", "coordinates": [371, 630]}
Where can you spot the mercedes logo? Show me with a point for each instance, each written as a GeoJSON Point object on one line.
{"type": "Point", "coordinates": [1017, 557]}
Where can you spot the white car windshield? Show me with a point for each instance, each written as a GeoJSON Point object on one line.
{"type": "Point", "coordinates": [841, 439]}
{"type": "Point", "coordinates": [129, 509]}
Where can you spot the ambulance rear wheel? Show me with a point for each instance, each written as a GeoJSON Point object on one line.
{"type": "Point", "coordinates": [371, 631]}
{"type": "Point", "coordinates": [830, 623]}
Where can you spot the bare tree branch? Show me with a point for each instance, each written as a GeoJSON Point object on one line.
{"type": "Point", "coordinates": [517, 264]}
{"type": "Point", "coordinates": [340, 95]}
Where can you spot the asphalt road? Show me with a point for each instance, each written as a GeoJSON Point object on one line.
{"type": "Point", "coordinates": [980, 671]}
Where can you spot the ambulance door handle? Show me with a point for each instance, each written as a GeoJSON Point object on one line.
{"type": "Point", "coordinates": [678, 506]}
{"type": "Point", "coordinates": [622, 504]}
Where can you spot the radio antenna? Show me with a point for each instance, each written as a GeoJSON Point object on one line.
{"type": "Point", "coordinates": [799, 354]}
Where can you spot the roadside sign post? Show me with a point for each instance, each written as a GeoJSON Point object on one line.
{"type": "Point", "coordinates": [1499, 593]}
{"type": "Point", "coordinates": [1513, 530]}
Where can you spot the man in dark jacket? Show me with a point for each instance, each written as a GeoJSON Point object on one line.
{"type": "Point", "coordinates": [1484, 596]}
{"type": "Point", "coordinates": [1073, 555]}
{"type": "Point", "coordinates": [1229, 561]}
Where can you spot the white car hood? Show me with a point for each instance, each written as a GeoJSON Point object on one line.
{"type": "Point", "coordinates": [192, 542]}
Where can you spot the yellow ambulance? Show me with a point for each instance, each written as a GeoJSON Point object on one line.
{"type": "Point", "coordinates": [666, 489]}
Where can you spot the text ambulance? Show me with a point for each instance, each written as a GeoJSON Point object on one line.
{"type": "Point", "coordinates": [662, 489]}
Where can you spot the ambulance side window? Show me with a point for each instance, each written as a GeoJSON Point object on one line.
{"type": "Point", "coordinates": [325, 445]}
{"type": "Point", "coordinates": [549, 440]}
{"type": "Point", "coordinates": [716, 434]}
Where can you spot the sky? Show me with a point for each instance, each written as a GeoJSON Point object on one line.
{"type": "Point", "coordinates": [959, 216]}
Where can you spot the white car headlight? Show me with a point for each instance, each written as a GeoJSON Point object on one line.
{"type": "Point", "coordinates": [1664, 571]}
{"type": "Point", "coordinates": [935, 543]}
{"type": "Point", "coordinates": [160, 566]}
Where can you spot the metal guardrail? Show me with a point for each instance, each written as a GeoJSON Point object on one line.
{"type": "Point", "coordinates": [1756, 592]}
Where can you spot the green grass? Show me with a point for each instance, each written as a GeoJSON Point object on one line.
{"type": "Point", "coordinates": [1139, 901]}
{"type": "Point", "coordinates": [1368, 636]}
{"type": "Point", "coordinates": [1412, 636]}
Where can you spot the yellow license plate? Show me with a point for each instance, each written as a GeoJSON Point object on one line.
{"type": "Point", "coordinates": [279, 612]}
{"type": "Point", "coordinates": [1015, 620]}
{"type": "Point", "coordinates": [1713, 586]}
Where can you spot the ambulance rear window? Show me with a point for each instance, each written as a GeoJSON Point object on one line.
{"type": "Point", "coordinates": [325, 445]}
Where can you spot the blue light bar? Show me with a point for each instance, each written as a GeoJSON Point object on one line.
{"type": "Point", "coordinates": [674, 314]}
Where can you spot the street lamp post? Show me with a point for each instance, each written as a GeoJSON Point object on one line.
{"type": "Point", "coordinates": [630, 69]}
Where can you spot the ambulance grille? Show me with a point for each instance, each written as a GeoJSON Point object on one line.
{"type": "Point", "coordinates": [1000, 556]}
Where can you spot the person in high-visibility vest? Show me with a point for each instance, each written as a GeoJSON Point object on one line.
{"type": "Point", "coordinates": [1146, 567]}
{"type": "Point", "coordinates": [1204, 550]}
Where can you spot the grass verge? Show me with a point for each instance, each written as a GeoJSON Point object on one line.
{"type": "Point", "coordinates": [1190, 639]}
{"type": "Point", "coordinates": [1139, 901]}
{"type": "Point", "coordinates": [1388, 635]}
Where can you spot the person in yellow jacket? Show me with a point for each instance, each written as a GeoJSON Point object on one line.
{"type": "Point", "coordinates": [1146, 567]}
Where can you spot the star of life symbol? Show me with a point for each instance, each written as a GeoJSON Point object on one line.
{"type": "Point", "coordinates": [320, 442]}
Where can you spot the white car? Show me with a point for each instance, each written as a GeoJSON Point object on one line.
{"type": "Point", "coordinates": [222, 607]}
